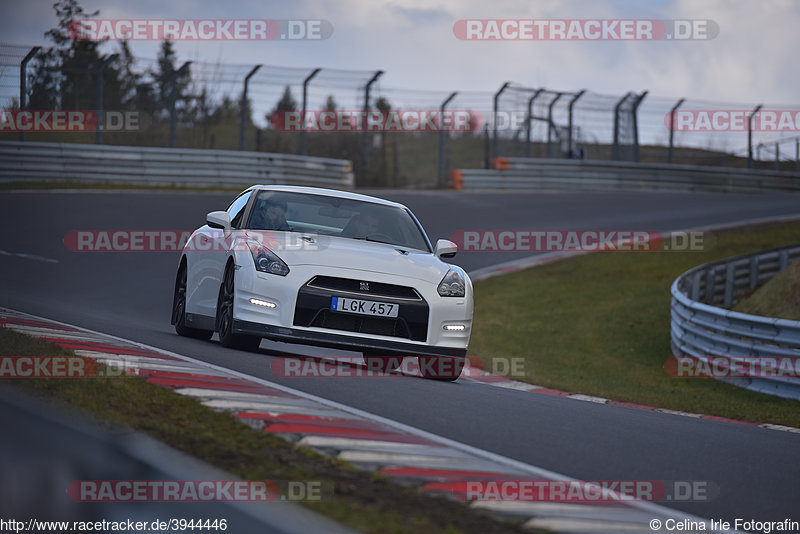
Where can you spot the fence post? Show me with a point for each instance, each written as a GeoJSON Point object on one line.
{"type": "Point", "coordinates": [569, 133]}
{"type": "Point", "coordinates": [529, 122]}
{"type": "Point", "coordinates": [635, 111]}
{"type": "Point", "coordinates": [550, 123]}
{"type": "Point", "coordinates": [173, 96]}
{"type": "Point", "coordinates": [243, 118]}
{"type": "Point", "coordinates": [730, 277]}
{"type": "Point", "coordinates": [442, 140]}
{"type": "Point", "coordinates": [753, 272]}
{"type": "Point", "coordinates": [486, 147]}
{"type": "Point", "coordinates": [615, 147]}
{"type": "Point", "coordinates": [23, 83]}
{"type": "Point", "coordinates": [98, 133]}
{"type": "Point", "coordinates": [711, 280]}
{"type": "Point", "coordinates": [698, 277]}
{"type": "Point", "coordinates": [672, 128]}
{"type": "Point", "coordinates": [777, 156]}
{"type": "Point", "coordinates": [303, 132]}
{"type": "Point", "coordinates": [365, 134]}
{"type": "Point", "coordinates": [750, 137]}
{"type": "Point", "coordinates": [783, 259]}
{"type": "Point", "coordinates": [494, 119]}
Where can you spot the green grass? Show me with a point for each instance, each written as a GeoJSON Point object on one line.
{"type": "Point", "coordinates": [778, 297]}
{"type": "Point", "coordinates": [364, 501]}
{"type": "Point", "coordinates": [598, 324]}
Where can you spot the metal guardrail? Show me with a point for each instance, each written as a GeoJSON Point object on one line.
{"type": "Point", "coordinates": [702, 330]}
{"type": "Point", "coordinates": [73, 162]}
{"type": "Point", "coordinates": [537, 173]}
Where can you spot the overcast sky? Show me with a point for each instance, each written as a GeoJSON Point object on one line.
{"type": "Point", "coordinates": [752, 60]}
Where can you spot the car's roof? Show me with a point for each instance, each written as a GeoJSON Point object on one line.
{"type": "Point", "coordinates": [327, 192]}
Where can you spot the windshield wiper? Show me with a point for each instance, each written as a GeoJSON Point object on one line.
{"type": "Point", "coordinates": [374, 240]}
{"type": "Point", "coordinates": [368, 238]}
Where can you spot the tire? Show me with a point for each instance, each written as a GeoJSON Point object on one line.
{"type": "Point", "coordinates": [443, 368]}
{"type": "Point", "coordinates": [179, 310]}
{"type": "Point", "coordinates": [382, 363]}
{"type": "Point", "coordinates": [225, 317]}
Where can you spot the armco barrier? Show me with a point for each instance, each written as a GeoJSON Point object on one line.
{"type": "Point", "coordinates": [72, 162]}
{"type": "Point", "coordinates": [537, 173]}
{"type": "Point", "coordinates": [701, 330]}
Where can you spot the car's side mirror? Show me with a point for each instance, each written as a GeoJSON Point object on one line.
{"type": "Point", "coordinates": [445, 249]}
{"type": "Point", "coordinates": [219, 219]}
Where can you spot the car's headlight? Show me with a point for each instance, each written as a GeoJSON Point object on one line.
{"type": "Point", "coordinates": [453, 284]}
{"type": "Point", "coordinates": [267, 261]}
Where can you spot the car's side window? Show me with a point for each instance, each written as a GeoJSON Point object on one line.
{"type": "Point", "coordinates": [236, 209]}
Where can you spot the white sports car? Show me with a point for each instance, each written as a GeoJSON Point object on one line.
{"type": "Point", "coordinates": [325, 268]}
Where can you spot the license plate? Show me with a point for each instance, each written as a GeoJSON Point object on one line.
{"type": "Point", "coordinates": [364, 307]}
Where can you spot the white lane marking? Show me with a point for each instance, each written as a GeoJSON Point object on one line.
{"type": "Point", "coordinates": [780, 427]}
{"type": "Point", "coordinates": [678, 412]}
{"type": "Point", "coordinates": [511, 384]}
{"type": "Point", "coordinates": [224, 394]}
{"type": "Point", "coordinates": [27, 256]}
{"type": "Point", "coordinates": [582, 526]}
{"type": "Point", "coordinates": [548, 509]}
{"type": "Point", "coordinates": [121, 364]}
{"type": "Point", "coordinates": [399, 460]}
{"type": "Point", "coordinates": [536, 471]}
{"type": "Point", "coordinates": [39, 332]}
{"type": "Point", "coordinates": [587, 398]}
{"type": "Point", "coordinates": [343, 444]}
{"type": "Point", "coordinates": [289, 406]}
{"type": "Point", "coordinates": [604, 518]}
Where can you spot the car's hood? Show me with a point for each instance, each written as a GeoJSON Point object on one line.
{"type": "Point", "coordinates": [306, 249]}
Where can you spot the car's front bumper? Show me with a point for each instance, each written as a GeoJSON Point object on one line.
{"type": "Point", "coordinates": [343, 341]}
{"type": "Point", "coordinates": [278, 322]}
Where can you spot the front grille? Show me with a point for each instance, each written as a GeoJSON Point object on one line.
{"type": "Point", "coordinates": [381, 326]}
{"type": "Point", "coordinates": [376, 289]}
{"type": "Point", "coordinates": [314, 303]}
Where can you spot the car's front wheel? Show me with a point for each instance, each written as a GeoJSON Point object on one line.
{"type": "Point", "coordinates": [225, 317]}
{"type": "Point", "coordinates": [441, 367]}
{"type": "Point", "coordinates": [179, 310]}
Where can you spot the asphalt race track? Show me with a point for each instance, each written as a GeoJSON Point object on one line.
{"type": "Point", "coordinates": [129, 294]}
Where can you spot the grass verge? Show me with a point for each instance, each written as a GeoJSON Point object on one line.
{"type": "Point", "coordinates": [598, 324]}
{"type": "Point", "coordinates": [778, 297]}
{"type": "Point", "coordinates": [364, 501]}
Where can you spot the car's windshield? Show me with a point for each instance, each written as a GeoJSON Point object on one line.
{"type": "Point", "coordinates": [335, 216]}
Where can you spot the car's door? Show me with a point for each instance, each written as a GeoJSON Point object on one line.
{"type": "Point", "coordinates": [209, 252]}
